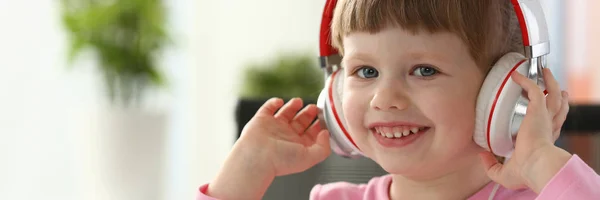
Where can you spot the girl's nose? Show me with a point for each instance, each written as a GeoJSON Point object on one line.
{"type": "Point", "coordinates": [389, 97]}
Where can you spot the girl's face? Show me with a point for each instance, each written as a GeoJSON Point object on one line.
{"type": "Point", "coordinates": [398, 83]}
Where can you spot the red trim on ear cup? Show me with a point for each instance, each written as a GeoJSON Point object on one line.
{"type": "Point", "coordinates": [325, 49]}
{"type": "Point", "coordinates": [522, 23]}
{"type": "Point", "coordinates": [489, 124]}
{"type": "Point", "coordinates": [335, 113]}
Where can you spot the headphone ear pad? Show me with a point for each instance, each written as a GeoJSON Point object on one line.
{"type": "Point", "coordinates": [496, 100]}
{"type": "Point", "coordinates": [330, 102]}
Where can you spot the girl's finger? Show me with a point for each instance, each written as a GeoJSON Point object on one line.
{"type": "Point", "coordinates": [561, 116]}
{"type": "Point", "coordinates": [289, 110]}
{"type": "Point", "coordinates": [554, 98]}
{"type": "Point", "coordinates": [321, 149]}
{"type": "Point", "coordinates": [313, 130]}
{"type": "Point", "coordinates": [270, 107]}
{"type": "Point", "coordinates": [304, 118]}
{"type": "Point", "coordinates": [493, 168]}
{"type": "Point", "coordinates": [534, 92]}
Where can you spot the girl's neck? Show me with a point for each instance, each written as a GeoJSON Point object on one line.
{"type": "Point", "coordinates": [459, 183]}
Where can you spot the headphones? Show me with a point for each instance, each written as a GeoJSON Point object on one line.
{"type": "Point", "coordinates": [501, 105]}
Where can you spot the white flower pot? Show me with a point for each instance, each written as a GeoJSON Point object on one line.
{"type": "Point", "coordinates": [127, 155]}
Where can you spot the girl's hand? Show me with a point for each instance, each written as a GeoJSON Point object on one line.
{"type": "Point", "coordinates": [535, 159]}
{"type": "Point", "coordinates": [273, 143]}
{"type": "Point", "coordinates": [286, 139]}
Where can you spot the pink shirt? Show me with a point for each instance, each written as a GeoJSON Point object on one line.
{"type": "Point", "coordinates": [576, 180]}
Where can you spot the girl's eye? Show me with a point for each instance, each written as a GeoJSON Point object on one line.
{"type": "Point", "coordinates": [367, 72]}
{"type": "Point", "coordinates": [425, 71]}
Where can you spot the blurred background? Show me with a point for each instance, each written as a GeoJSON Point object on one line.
{"type": "Point", "coordinates": [143, 99]}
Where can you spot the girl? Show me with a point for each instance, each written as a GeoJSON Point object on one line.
{"type": "Point", "coordinates": [415, 65]}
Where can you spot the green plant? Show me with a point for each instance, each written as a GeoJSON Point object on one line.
{"type": "Point", "coordinates": [125, 35]}
{"type": "Point", "coordinates": [286, 76]}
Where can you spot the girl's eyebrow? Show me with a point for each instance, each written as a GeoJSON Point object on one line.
{"type": "Point", "coordinates": [356, 55]}
{"type": "Point", "coordinates": [418, 55]}
{"type": "Point", "coordinates": [427, 55]}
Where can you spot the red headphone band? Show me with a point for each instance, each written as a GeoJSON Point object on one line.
{"type": "Point", "coordinates": [522, 23]}
{"type": "Point", "coordinates": [325, 47]}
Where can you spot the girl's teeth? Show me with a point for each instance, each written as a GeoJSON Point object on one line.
{"type": "Point", "coordinates": [397, 132]}
{"type": "Point", "coordinates": [387, 129]}
{"type": "Point", "coordinates": [406, 132]}
{"type": "Point", "coordinates": [414, 130]}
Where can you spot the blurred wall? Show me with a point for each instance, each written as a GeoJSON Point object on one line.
{"type": "Point", "coordinates": [60, 139]}
{"type": "Point", "coordinates": [38, 151]}
{"type": "Point", "coordinates": [583, 70]}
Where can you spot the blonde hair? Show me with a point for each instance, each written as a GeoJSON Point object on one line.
{"type": "Point", "coordinates": [488, 27]}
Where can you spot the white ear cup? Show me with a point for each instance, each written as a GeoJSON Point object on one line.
{"type": "Point", "coordinates": [332, 115]}
{"type": "Point", "coordinates": [496, 105]}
